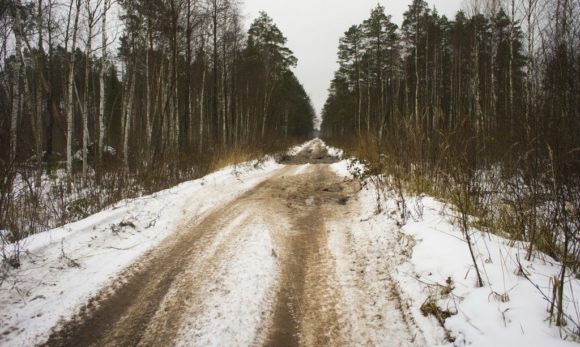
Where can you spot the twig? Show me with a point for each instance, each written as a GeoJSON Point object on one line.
{"type": "Point", "coordinates": [543, 294]}
{"type": "Point", "coordinates": [71, 262]}
{"type": "Point", "coordinates": [121, 249]}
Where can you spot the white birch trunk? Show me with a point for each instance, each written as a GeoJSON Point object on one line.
{"type": "Point", "coordinates": [39, 96]}
{"type": "Point", "coordinates": [102, 126]}
{"type": "Point", "coordinates": [85, 106]}
{"type": "Point", "coordinates": [128, 118]}
{"type": "Point", "coordinates": [70, 94]}
{"type": "Point", "coordinates": [201, 110]}
{"type": "Point", "coordinates": [16, 83]}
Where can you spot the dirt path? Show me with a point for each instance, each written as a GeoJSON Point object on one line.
{"type": "Point", "coordinates": [198, 289]}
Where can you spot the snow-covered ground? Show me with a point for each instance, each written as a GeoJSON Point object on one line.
{"type": "Point", "coordinates": [385, 270]}
{"type": "Point", "coordinates": [62, 268]}
{"type": "Point", "coordinates": [509, 310]}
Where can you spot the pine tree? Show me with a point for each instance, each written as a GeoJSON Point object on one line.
{"type": "Point", "coordinates": [267, 43]}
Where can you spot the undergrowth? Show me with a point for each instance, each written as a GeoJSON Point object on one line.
{"type": "Point", "coordinates": [537, 208]}
{"type": "Point", "coordinates": [32, 201]}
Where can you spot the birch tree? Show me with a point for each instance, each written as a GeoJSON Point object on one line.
{"type": "Point", "coordinates": [91, 21]}
{"type": "Point", "coordinates": [71, 84]}
{"type": "Point", "coordinates": [102, 70]}
{"type": "Point", "coordinates": [16, 78]}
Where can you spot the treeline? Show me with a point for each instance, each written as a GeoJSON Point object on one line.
{"type": "Point", "coordinates": [482, 109]}
{"type": "Point", "coordinates": [184, 78]}
{"type": "Point", "coordinates": [479, 71]}
{"type": "Point", "coordinates": [114, 99]}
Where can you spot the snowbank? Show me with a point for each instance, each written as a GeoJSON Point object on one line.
{"type": "Point", "coordinates": [509, 309]}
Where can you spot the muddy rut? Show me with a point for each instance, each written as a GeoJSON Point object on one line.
{"type": "Point", "coordinates": [155, 300]}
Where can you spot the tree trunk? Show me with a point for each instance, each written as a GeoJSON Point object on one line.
{"type": "Point", "coordinates": [16, 81]}
{"type": "Point", "coordinates": [215, 110]}
{"type": "Point", "coordinates": [188, 60]}
{"type": "Point", "coordinates": [201, 108]}
{"type": "Point", "coordinates": [176, 135]}
{"type": "Point", "coordinates": [103, 68]}
{"type": "Point", "coordinates": [264, 112]}
{"type": "Point", "coordinates": [511, 68]}
{"type": "Point", "coordinates": [359, 92]}
{"type": "Point", "coordinates": [417, 116]}
{"type": "Point", "coordinates": [85, 105]}
{"type": "Point", "coordinates": [494, 47]}
{"type": "Point", "coordinates": [368, 101]}
{"type": "Point", "coordinates": [224, 98]}
{"type": "Point", "coordinates": [70, 92]}
{"type": "Point", "coordinates": [475, 82]}
{"type": "Point", "coordinates": [149, 96]}
{"type": "Point", "coordinates": [50, 102]}
{"type": "Point", "coordinates": [529, 65]}
{"type": "Point", "coordinates": [39, 96]}
{"type": "Point", "coordinates": [128, 118]}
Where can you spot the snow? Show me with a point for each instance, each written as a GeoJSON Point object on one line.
{"type": "Point", "coordinates": [400, 265]}
{"type": "Point", "coordinates": [439, 253]}
{"type": "Point", "coordinates": [296, 149]}
{"type": "Point", "coordinates": [234, 302]}
{"type": "Point", "coordinates": [62, 268]}
{"type": "Point", "coordinates": [368, 250]}
{"type": "Point", "coordinates": [482, 318]}
{"type": "Point", "coordinates": [341, 168]}
{"type": "Point", "coordinates": [335, 152]}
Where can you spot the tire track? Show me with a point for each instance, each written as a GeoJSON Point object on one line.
{"type": "Point", "coordinates": [308, 307]}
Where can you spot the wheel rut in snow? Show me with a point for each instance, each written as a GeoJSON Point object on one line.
{"type": "Point", "coordinates": [308, 294]}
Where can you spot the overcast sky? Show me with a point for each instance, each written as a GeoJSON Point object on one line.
{"type": "Point", "coordinates": [313, 28]}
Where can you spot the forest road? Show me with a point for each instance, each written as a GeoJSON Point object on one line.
{"type": "Point", "coordinates": [185, 291]}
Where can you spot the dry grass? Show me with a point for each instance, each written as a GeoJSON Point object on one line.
{"type": "Point", "coordinates": [233, 157]}
{"type": "Point", "coordinates": [70, 198]}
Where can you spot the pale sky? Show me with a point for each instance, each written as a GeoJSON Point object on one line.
{"type": "Point", "coordinates": [313, 28]}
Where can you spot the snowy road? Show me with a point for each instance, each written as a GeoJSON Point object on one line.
{"type": "Point", "coordinates": [296, 253]}
{"type": "Point", "coordinates": [257, 271]}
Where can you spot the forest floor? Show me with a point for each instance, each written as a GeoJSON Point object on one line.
{"type": "Point", "coordinates": [276, 254]}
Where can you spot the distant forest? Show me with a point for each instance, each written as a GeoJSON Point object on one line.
{"type": "Point", "coordinates": [182, 77]}
{"type": "Point", "coordinates": [103, 100]}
